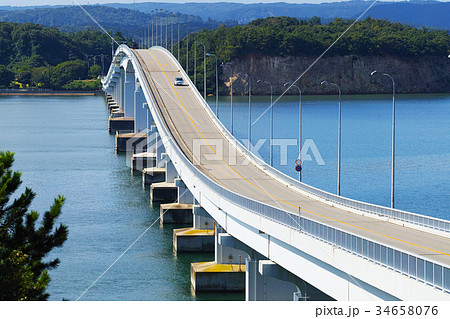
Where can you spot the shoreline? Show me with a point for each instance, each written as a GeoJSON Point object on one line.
{"type": "Point", "coordinates": [54, 93]}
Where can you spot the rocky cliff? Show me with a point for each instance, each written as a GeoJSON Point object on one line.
{"type": "Point", "coordinates": [351, 73]}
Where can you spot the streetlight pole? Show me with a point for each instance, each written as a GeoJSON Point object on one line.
{"type": "Point", "coordinates": [171, 33]}
{"type": "Point", "coordinates": [204, 69]}
{"type": "Point", "coordinates": [152, 25]}
{"type": "Point", "coordinates": [299, 124]}
{"type": "Point", "coordinates": [167, 24]}
{"type": "Point", "coordinates": [393, 136]}
{"type": "Point", "coordinates": [271, 120]}
{"type": "Point", "coordinates": [339, 138]}
{"type": "Point", "coordinates": [249, 112]}
{"type": "Point", "coordinates": [156, 27]}
{"type": "Point", "coordinates": [161, 27]}
{"type": "Point", "coordinates": [231, 95]}
{"type": "Point", "coordinates": [217, 85]}
{"type": "Point", "coordinates": [195, 62]}
{"type": "Point", "coordinates": [231, 99]}
{"type": "Point", "coordinates": [187, 54]}
{"type": "Point", "coordinates": [178, 20]}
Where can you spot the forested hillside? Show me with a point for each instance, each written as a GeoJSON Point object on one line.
{"type": "Point", "coordinates": [131, 23]}
{"type": "Point", "coordinates": [285, 36]}
{"type": "Point", "coordinates": [290, 39]}
{"type": "Point", "coordinates": [32, 55]}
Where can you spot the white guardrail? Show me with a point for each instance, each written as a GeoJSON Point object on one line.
{"type": "Point", "coordinates": [404, 216]}
{"type": "Point", "coordinates": [424, 270]}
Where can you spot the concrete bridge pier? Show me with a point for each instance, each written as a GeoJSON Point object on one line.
{"type": "Point", "coordinates": [266, 280]}
{"type": "Point", "coordinates": [130, 142]}
{"type": "Point", "coordinates": [154, 172]}
{"type": "Point", "coordinates": [129, 93]}
{"type": "Point", "coordinates": [227, 272]}
{"type": "Point", "coordinates": [167, 191]}
{"type": "Point", "coordinates": [141, 113]}
{"type": "Point", "coordinates": [201, 218]}
{"type": "Point", "coordinates": [142, 156]}
{"type": "Point", "coordinates": [199, 238]}
{"type": "Point", "coordinates": [181, 211]}
{"type": "Point", "coordinates": [126, 84]}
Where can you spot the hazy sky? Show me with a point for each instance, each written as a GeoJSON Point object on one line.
{"type": "Point", "coordinates": [71, 2]}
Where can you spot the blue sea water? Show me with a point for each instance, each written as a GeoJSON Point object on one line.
{"type": "Point", "coordinates": [62, 146]}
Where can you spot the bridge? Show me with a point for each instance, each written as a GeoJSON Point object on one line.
{"type": "Point", "coordinates": [296, 241]}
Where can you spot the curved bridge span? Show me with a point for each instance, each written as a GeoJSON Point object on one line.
{"type": "Point", "coordinates": [347, 249]}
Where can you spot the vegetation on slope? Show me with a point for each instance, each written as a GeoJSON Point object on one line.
{"type": "Point", "coordinates": [284, 36]}
{"type": "Point", "coordinates": [35, 56]}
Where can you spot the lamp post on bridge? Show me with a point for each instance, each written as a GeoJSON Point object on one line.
{"type": "Point", "coordinates": [187, 54]}
{"type": "Point", "coordinates": [393, 135]}
{"type": "Point", "coordinates": [339, 138]}
{"type": "Point", "coordinates": [249, 110]}
{"type": "Point", "coordinates": [271, 120]}
{"type": "Point", "coordinates": [231, 95]}
{"type": "Point", "coordinates": [178, 39]}
{"type": "Point", "coordinates": [204, 68]}
{"type": "Point", "coordinates": [171, 33]}
{"type": "Point", "coordinates": [152, 25]}
{"type": "Point", "coordinates": [161, 29]}
{"type": "Point", "coordinates": [195, 61]}
{"type": "Point", "coordinates": [217, 86]}
{"type": "Point", "coordinates": [167, 32]}
{"type": "Point", "coordinates": [299, 124]}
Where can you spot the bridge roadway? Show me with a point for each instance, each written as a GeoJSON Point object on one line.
{"type": "Point", "coordinates": [187, 121]}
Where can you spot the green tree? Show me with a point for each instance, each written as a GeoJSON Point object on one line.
{"type": "Point", "coordinates": [95, 71]}
{"type": "Point", "coordinates": [24, 74]}
{"type": "Point", "coordinates": [23, 247]}
{"type": "Point", "coordinates": [84, 85]}
{"type": "Point", "coordinates": [68, 71]}
{"type": "Point", "coordinates": [42, 76]}
{"type": "Point", "coordinates": [6, 76]}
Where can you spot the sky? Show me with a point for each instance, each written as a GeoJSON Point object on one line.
{"type": "Point", "coordinates": [71, 2]}
{"type": "Point", "coordinates": [84, 2]}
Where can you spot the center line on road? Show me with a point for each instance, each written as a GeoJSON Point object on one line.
{"type": "Point", "coordinates": [275, 197]}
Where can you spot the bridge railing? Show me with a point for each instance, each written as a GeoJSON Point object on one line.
{"type": "Point", "coordinates": [400, 215]}
{"type": "Point", "coordinates": [424, 270]}
{"type": "Point", "coordinates": [410, 265]}
{"type": "Point", "coordinates": [407, 217]}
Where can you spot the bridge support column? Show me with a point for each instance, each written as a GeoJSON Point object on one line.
{"type": "Point", "coordinates": [181, 211]}
{"type": "Point", "coordinates": [120, 124]}
{"type": "Point", "coordinates": [201, 219]}
{"type": "Point", "coordinates": [140, 110]}
{"type": "Point", "coordinates": [167, 191]}
{"type": "Point", "coordinates": [155, 173]}
{"type": "Point", "coordinates": [226, 272]}
{"type": "Point", "coordinates": [199, 238]}
{"type": "Point", "coordinates": [171, 172]}
{"type": "Point", "coordinates": [265, 280]}
{"type": "Point", "coordinates": [121, 83]}
{"type": "Point", "coordinates": [129, 94]}
{"type": "Point", "coordinates": [130, 142]}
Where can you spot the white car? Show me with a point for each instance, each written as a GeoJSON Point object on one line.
{"type": "Point", "coordinates": [179, 81]}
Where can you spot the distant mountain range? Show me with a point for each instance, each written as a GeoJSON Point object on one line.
{"type": "Point", "coordinates": [131, 23]}
{"type": "Point", "coordinates": [416, 13]}
{"type": "Point", "coordinates": [131, 17]}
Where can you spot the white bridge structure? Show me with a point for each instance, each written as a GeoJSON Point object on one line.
{"type": "Point", "coordinates": [287, 231]}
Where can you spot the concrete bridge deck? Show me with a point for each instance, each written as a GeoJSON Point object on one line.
{"type": "Point", "coordinates": [190, 125]}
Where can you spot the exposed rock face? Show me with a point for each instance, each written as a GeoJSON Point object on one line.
{"type": "Point", "coordinates": [351, 73]}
